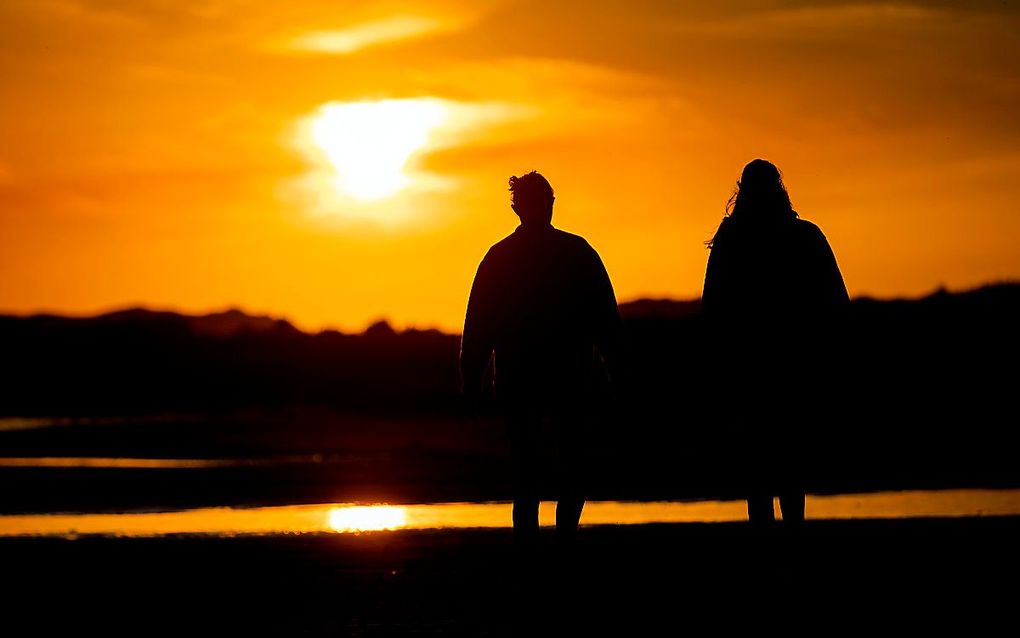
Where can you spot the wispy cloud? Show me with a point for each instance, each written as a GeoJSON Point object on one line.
{"type": "Point", "coordinates": [350, 40]}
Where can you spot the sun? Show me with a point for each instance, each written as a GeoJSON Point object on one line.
{"type": "Point", "coordinates": [369, 145]}
{"type": "Point", "coordinates": [364, 518]}
{"type": "Point", "coordinates": [365, 167]}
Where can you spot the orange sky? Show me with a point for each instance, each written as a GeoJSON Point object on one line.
{"type": "Point", "coordinates": [157, 152]}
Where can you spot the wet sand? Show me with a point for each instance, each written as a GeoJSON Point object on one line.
{"type": "Point", "coordinates": [636, 580]}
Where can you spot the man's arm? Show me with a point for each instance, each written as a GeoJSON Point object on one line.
{"type": "Point", "coordinates": [478, 338]}
{"type": "Point", "coordinates": [609, 327]}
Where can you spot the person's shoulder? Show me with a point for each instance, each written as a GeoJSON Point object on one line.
{"type": "Point", "coordinates": [808, 229]}
{"type": "Point", "coordinates": [496, 256]}
{"type": "Point", "coordinates": [727, 227]}
{"type": "Point", "coordinates": [501, 246]}
{"type": "Point", "coordinates": [804, 226]}
{"type": "Point", "coordinates": [580, 249]}
{"type": "Point", "coordinates": [571, 240]}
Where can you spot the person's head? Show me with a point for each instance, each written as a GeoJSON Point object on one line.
{"type": "Point", "coordinates": [760, 195]}
{"type": "Point", "coordinates": [532, 199]}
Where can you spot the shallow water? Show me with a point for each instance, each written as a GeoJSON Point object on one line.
{"type": "Point", "coordinates": [118, 462]}
{"type": "Point", "coordinates": [353, 518]}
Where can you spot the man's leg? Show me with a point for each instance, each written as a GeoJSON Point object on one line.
{"type": "Point", "coordinates": [525, 440]}
{"type": "Point", "coordinates": [573, 475]}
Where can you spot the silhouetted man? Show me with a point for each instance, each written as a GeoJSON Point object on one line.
{"type": "Point", "coordinates": [543, 312]}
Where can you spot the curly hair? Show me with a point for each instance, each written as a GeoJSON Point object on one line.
{"type": "Point", "coordinates": [530, 187]}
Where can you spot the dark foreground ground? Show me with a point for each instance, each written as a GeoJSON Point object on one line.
{"type": "Point", "coordinates": [872, 576]}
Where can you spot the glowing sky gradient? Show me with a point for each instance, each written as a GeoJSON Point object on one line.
{"type": "Point", "coordinates": [151, 152]}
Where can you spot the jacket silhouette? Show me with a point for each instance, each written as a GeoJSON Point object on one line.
{"type": "Point", "coordinates": [769, 277]}
{"type": "Point", "coordinates": [543, 309]}
{"type": "Point", "coordinates": [543, 315]}
{"type": "Point", "coordinates": [774, 301]}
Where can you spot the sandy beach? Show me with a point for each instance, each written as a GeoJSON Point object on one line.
{"type": "Point", "coordinates": [635, 580]}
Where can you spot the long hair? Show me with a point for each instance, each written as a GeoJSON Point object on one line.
{"type": "Point", "coordinates": [760, 197]}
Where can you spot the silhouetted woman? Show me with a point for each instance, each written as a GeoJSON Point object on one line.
{"type": "Point", "coordinates": [773, 299]}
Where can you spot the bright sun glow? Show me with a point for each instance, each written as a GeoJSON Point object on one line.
{"type": "Point", "coordinates": [364, 518]}
{"type": "Point", "coordinates": [365, 159]}
{"type": "Point", "coordinates": [370, 144]}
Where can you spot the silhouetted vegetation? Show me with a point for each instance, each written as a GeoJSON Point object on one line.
{"type": "Point", "coordinates": [926, 398]}
{"type": "Point", "coordinates": [138, 361]}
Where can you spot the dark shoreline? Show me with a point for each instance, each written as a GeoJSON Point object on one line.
{"type": "Point", "coordinates": [82, 490]}
{"type": "Point", "coordinates": [650, 578]}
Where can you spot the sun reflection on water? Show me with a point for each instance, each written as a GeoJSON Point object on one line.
{"type": "Point", "coordinates": [367, 518]}
{"type": "Point", "coordinates": [352, 518]}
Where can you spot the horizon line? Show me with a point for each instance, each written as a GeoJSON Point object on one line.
{"type": "Point", "coordinates": [238, 308]}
